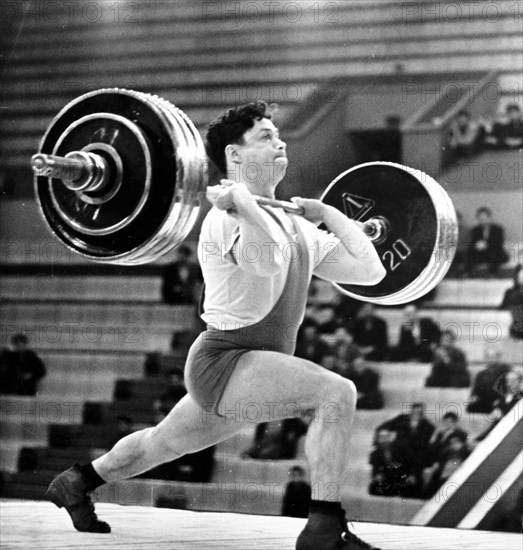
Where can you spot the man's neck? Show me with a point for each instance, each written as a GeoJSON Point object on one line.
{"type": "Point", "coordinates": [261, 189]}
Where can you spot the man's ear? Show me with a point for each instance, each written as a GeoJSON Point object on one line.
{"type": "Point", "coordinates": [232, 153]}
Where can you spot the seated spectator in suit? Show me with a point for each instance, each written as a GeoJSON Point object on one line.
{"type": "Point", "coordinates": [413, 433]}
{"type": "Point", "coordinates": [449, 368]}
{"type": "Point", "coordinates": [463, 135]}
{"type": "Point", "coordinates": [328, 323]}
{"type": "Point", "coordinates": [486, 248]}
{"type": "Point", "coordinates": [367, 382]}
{"type": "Point", "coordinates": [512, 128]}
{"type": "Point", "coordinates": [20, 368]}
{"type": "Point", "coordinates": [393, 471]}
{"type": "Point", "coordinates": [490, 132]}
{"type": "Point", "coordinates": [345, 309]}
{"type": "Point", "coordinates": [278, 439]}
{"type": "Point", "coordinates": [181, 279]}
{"type": "Point", "coordinates": [309, 344]}
{"type": "Point", "coordinates": [370, 333]}
{"type": "Point", "coordinates": [452, 456]}
{"type": "Point", "coordinates": [488, 384]}
{"type": "Point", "coordinates": [513, 301]}
{"type": "Point", "coordinates": [297, 495]}
{"type": "Point", "coordinates": [440, 438]}
{"type": "Point", "coordinates": [510, 393]}
{"type": "Point", "coordinates": [418, 336]}
{"type": "Point", "coordinates": [344, 347]}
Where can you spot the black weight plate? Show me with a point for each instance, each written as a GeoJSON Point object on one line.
{"type": "Point", "coordinates": [131, 191]}
{"type": "Point", "coordinates": [164, 173]}
{"type": "Point", "coordinates": [392, 192]}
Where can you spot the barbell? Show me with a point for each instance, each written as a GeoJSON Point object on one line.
{"type": "Point", "coordinates": [121, 175]}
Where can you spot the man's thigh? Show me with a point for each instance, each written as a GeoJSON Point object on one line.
{"type": "Point", "coordinates": [267, 385]}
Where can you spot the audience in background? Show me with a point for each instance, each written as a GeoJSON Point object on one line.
{"type": "Point", "coordinates": [393, 467]}
{"type": "Point", "coordinates": [488, 384]}
{"type": "Point", "coordinates": [418, 336]}
{"type": "Point", "coordinates": [309, 344]}
{"type": "Point", "coordinates": [370, 333]}
{"type": "Point", "coordinates": [278, 439]}
{"type": "Point", "coordinates": [486, 248]}
{"type": "Point", "coordinates": [367, 382]}
{"type": "Point", "coordinates": [181, 279]}
{"type": "Point", "coordinates": [20, 368]}
{"type": "Point", "coordinates": [512, 128]}
{"type": "Point", "coordinates": [344, 347]}
{"type": "Point", "coordinates": [510, 393]}
{"type": "Point", "coordinates": [449, 368]}
{"type": "Point", "coordinates": [449, 459]}
{"type": "Point", "coordinates": [297, 494]}
{"type": "Point", "coordinates": [463, 135]}
{"type": "Point", "coordinates": [513, 301]}
{"type": "Point", "coordinates": [413, 433]}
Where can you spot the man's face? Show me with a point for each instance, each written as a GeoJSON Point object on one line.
{"type": "Point", "coordinates": [262, 157]}
{"type": "Point", "coordinates": [483, 218]}
{"type": "Point", "coordinates": [514, 114]}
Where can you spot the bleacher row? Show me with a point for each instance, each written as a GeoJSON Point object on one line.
{"type": "Point", "coordinates": [83, 375]}
{"type": "Point", "coordinates": [241, 56]}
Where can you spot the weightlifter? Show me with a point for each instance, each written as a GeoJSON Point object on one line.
{"type": "Point", "coordinates": [257, 263]}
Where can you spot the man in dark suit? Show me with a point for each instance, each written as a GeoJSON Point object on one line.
{"type": "Point", "coordinates": [418, 337]}
{"type": "Point", "coordinates": [486, 249]}
{"type": "Point", "coordinates": [370, 334]}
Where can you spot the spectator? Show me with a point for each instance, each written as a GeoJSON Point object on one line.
{"type": "Point", "coordinates": [463, 135]}
{"type": "Point", "coordinates": [449, 368]}
{"type": "Point", "coordinates": [486, 248]}
{"type": "Point", "coordinates": [512, 129]}
{"type": "Point", "coordinates": [21, 369]}
{"type": "Point", "coordinates": [370, 333]}
{"type": "Point", "coordinates": [309, 345]}
{"type": "Point", "coordinates": [440, 438]}
{"type": "Point", "coordinates": [513, 300]}
{"type": "Point", "coordinates": [392, 467]}
{"type": "Point", "coordinates": [328, 323]}
{"type": "Point", "coordinates": [488, 384]}
{"type": "Point", "coordinates": [181, 279]}
{"type": "Point", "coordinates": [297, 495]}
{"type": "Point", "coordinates": [344, 347]}
{"type": "Point", "coordinates": [490, 132]}
{"type": "Point", "coordinates": [418, 336]}
{"type": "Point", "coordinates": [279, 439]}
{"type": "Point", "coordinates": [413, 433]}
{"type": "Point", "coordinates": [450, 459]}
{"type": "Point", "coordinates": [511, 392]}
{"type": "Point", "coordinates": [367, 382]}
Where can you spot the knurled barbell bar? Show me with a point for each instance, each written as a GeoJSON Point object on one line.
{"type": "Point", "coordinates": [120, 177]}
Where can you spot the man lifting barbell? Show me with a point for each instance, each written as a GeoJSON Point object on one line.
{"type": "Point", "coordinates": [253, 310]}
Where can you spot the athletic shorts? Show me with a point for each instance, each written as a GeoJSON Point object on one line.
{"type": "Point", "coordinates": [210, 363]}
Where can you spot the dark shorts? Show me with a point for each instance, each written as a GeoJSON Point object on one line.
{"type": "Point", "coordinates": [210, 363]}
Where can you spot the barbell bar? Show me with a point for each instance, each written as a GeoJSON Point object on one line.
{"type": "Point", "coordinates": [120, 177]}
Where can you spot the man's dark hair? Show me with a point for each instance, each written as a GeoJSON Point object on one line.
{"type": "Point", "coordinates": [512, 107]}
{"type": "Point", "coordinates": [19, 339]}
{"type": "Point", "coordinates": [298, 470]}
{"type": "Point", "coordinates": [484, 210]}
{"type": "Point", "coordinates": [230, 128]}
{"type": "Point", "coordinates": [464, 112]}
{"type": "Point", "coordinates": [451, 416]}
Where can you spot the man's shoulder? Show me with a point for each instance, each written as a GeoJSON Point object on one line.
{"type": "Point", "coordinates": [218, 220]}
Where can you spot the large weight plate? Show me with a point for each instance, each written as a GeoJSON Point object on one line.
{"type": "Point", "coordinates": [149, 228]}
{"type": "Point", "coordinates": [422, 223]}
